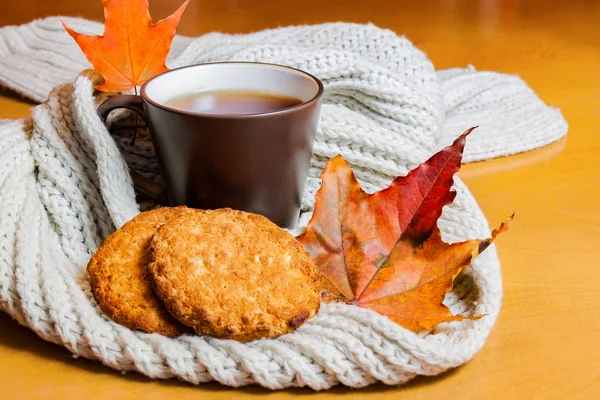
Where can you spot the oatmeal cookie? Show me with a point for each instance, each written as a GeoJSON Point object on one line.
{"type": "Point", "coordinates": [120, 280]}
{"type": "Point", "coordinates": [232, 274]}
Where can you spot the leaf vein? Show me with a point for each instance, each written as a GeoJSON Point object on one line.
{"type": "Point", "coordinates": [99, 53]}
{"type": "Point", "coordinates": [142, 69]}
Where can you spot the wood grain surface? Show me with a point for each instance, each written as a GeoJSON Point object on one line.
{"type": "Point", "coordinates": [546, 344]}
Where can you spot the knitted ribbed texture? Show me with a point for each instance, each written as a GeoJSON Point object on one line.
{"type": "Point", "coordinates": [64, 186]}
{"type": "Point", "coordinates": [36, 57]}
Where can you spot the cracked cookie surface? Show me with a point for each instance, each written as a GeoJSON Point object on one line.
{"type": "Point", "coordinates": [234, 275]}
{"type": "Point", "coordinates": [121, 282]}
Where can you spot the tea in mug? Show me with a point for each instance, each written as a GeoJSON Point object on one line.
{"type": "Point", "coordinates": [232, 102]}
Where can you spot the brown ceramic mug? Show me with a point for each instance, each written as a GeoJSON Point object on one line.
{"type": "Point", "coordinates": [251, 162]}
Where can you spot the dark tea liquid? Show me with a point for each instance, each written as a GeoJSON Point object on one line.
{"type": "Point", "coordinates": [232, 102]}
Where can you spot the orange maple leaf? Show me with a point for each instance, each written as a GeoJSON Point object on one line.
{"type": "Point", "coordinates": [384, 251]}
{"type": "Point", "coordinates": [132, 49]}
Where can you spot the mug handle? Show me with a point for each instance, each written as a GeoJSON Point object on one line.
{"type": "Point", "coordinates": [144, 185]}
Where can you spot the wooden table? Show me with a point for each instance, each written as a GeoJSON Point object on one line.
{"type": "Point", "coordinates": [547, 341]}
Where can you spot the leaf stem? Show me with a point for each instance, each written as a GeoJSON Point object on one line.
{"type": "Point", "coordinates": [137, 122]}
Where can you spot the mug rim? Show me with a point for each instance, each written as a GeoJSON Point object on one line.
{"type": "Point", "coordinates": [304, 104]}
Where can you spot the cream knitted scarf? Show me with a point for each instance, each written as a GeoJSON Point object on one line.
{"type": "Point", "coordinates": [64, 186]}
